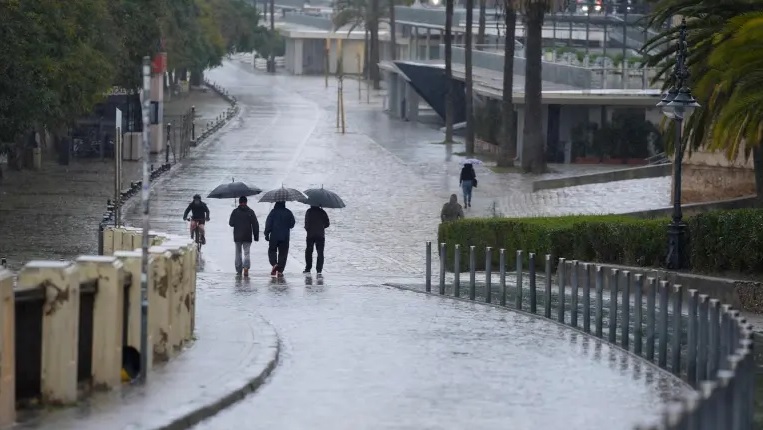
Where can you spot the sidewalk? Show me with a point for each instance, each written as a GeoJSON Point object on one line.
{"type": "Point", "coordinates": [233, 354]}
{"type": "Point", "coordinates": [54, 213]}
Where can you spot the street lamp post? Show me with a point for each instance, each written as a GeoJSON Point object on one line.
{"type": "Point", "coordinates": [677, 104]}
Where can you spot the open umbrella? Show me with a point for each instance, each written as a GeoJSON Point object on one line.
{"type": "Point", "coordinates": [323, 198]}
{"type": "Point", "coordinates": [282, 195]}
{"type": "Point", "coordinates": [233, 190]}
{"type": "Point", "coordinates": [472, 161]}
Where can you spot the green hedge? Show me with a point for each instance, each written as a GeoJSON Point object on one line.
{"type": "Point", "coordinates": [717, 241]}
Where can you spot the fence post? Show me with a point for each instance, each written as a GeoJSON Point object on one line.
{"type": "Point", "coordinates": [457, 271]}
{"type": "Point", "coordinates": [702, 338]}
{"type": "Point", "coordinates": [7, 349]}
{"type": "Point", "coordinates": [662, 357]}
{"type": "Point", "coordinates": [691, 353]}
{"type": "Point", "coordinates": [442, 268]}
{"type": "Point", "coordinates": [488, 275]}
{"type": "Point", "coordinates": [614, 279]}
{"type": "Point", "coordinates": [429, 267]}
{"type": "Point", "coordinates": [472, 274]}
{"type": "Point", "coordinates": [60, 327]}
{"type": "Point", "coordinates": [518, 298]}
{"type": "Point", "coordinates": [626, 323]}
{"type": "Point", "coordinates": [638, 315]}
{"type": "Point", "coordinates": [561, 281]}
{"type": "Point", "coordinates": [714, 333]}
{"type": "Point", "coordinates": [651, 302]}
{"type": "Point", "coordinates": [587, 298]}
{"type": "Point", "coordinates": [502, 270]}
{"type": "Point", "coordinates": [533, 291]}
{"type": "Point", "coordinates": [547, 304]}
{"type": "Point", "coordinates": [678, 291]}
{"type": "Point", "coordinates": [574, 294]}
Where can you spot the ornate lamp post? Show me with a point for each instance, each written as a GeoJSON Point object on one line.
{"type": "Point", "coordinates": [677, 104]}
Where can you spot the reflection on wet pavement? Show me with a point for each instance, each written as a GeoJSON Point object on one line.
{"type": "Point", "coordinates": [359, 355]}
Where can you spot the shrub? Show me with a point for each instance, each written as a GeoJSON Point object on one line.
{"type": "Point", "coordinates": [716, 241]}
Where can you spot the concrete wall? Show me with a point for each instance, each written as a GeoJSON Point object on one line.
{"type": "Point", "coordinates": [318, 22]}
{"type": "Point", "coordinates": [603, 177]}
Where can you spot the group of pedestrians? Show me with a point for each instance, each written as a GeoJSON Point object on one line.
{"type": "Point", "coordinates": [452, 211]}
{"type": "Point", "coordinates": [277, 233]}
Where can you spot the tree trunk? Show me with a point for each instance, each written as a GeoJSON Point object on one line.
{"type": "Point", "coordinates": [374, 33]}
{"type": "Point", "coordinates": [468, 78]}
{"type": "Point", "coordinates": [757, 159]}
{"type": "Point", "coordinates": [449, 70]}
{"type": "Point", "coordinates": [197, 78]}
{"type": "Point", "coordinates": [272, 60]}
{"type": "Point", "coordinates": [366, 55]}
{"type": "Point", "coordinates": [392, 30]}
{"type": "Point", "coordinates": [533, 146]}
{"type": "Point", "coordinates": [508, 150]}
{"type": "Point", "coordinates": [481, 30]}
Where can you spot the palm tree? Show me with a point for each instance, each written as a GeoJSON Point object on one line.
{"type": "Point", "coordinates": [449, 70]}
{"type": "Point", "coordinates": [468, 78]}
{"type": "Point", "coordinates": [362, 12]}
{"type": "Point", "coordinates": [534, 145]}
{"type": "Point", "coordinates": [392, 32]}
{"type": "Point", "coordinates": [725, 56]}
{"type": "Point", "coordinates": [508, 148]}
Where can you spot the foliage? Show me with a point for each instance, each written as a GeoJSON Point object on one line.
{"type": "Point", "coordinates": [61, 57]}
{"type": "Point", "coordinates": [714, 241]}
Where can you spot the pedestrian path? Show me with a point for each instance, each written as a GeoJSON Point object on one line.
{"type": "Point", "coordinates": [358, 354]}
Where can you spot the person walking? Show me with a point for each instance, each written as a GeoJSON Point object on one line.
{"type": "Point", "coordinates": [245, 227]}
{"type": "Point", "coordinates": [316, 223]}
{"type": "Point", "coordinates": [467, 181]}
{"type": "Point", "coordinates": [451, 211]}
{"type": "Point", "coordinates": [278, 227]}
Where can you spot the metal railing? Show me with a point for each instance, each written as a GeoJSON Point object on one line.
{"type": "Point", "coordinates": [693, 336]}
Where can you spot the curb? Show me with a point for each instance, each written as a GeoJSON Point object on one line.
{"type": "Point", "coordinates": [200, 414]}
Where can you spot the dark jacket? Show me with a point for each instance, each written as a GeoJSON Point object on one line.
{"type": "Point", "coordinates": [279, 223]}
{"type": "Point", "coordinates": [468, 174]}
{"type": "Point", "coordinates": [316, 222]}
{"type": "Point", "coordinates": [199, 211]}
{"type": "Point", "coordinates": [451, 211]}
{"type": "Point", "coordinates": [244, 223]}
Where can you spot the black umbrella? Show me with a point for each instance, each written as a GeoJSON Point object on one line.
{"type": "Point", "coordinates": [282, 195]}
{"type": "Point", "coordinates": [323, 198]}
{"type": "Point", "coordinates": [233, 190]}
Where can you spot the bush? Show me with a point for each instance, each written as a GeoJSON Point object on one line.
{"type": "Point", "coordinates": [716, 241]}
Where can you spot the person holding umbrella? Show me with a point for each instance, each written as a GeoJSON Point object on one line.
{"type": "Point", "coordinates": [316, 223]}
{"type": "Point", "coordinates": [245, 227]}
{"type": "Point", "coordinates": [277, 232]}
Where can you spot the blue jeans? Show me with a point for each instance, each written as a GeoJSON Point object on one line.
{"type": "Point", "coordinates": [467, 187]}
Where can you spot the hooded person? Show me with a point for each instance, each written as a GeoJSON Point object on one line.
{"type": "Point", "coordinates": [316, 223]}
{"type": "Point", "coordinates": [278, 227]}
{"type": "Point", "coordinates": [451, 211]}
{"type": "Point", "coordinates": [245, 228]}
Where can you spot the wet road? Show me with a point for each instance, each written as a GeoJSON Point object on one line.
{"type": "Point", "coordinates": [358, 355]}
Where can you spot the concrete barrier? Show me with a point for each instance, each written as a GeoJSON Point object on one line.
{"type": "Point", "coordinates": [64, 326]}
{"type": "Point", "coordinates": [643, 172]}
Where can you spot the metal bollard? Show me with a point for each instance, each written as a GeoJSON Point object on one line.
{"type": "Point", "coordinates": [726, 399]}
{"type": "Point", "coordinates": [651, 303]}
{"type": "Point", "coordinates": [614, 279]}
{"type": "Point", "coordinates": [702, 337]}
{"type": "Point", "coordinates": [599, 302]}
{"type": "Point", "coordinates": [574, 298]}
{"type": "Point", "coordinates": [488, 274]}
{"type": "Point", "coordinates": [736, 399]}
{"type": "Point", "coordinates": [724, 332]}
{"type": "Point", "coordinates": [638, 316]}
{"type": "Point", "coordinates": [587, 268]}
{"type": "Point", "coordinates": [547, 303]}
{"type": "Point", "coordinates": [518, 297]}
{"type": "Point", "coordinates": [442, 268]}
{"type": "Point", "coordinates": [691, 347]}
{"type": "Point", "coordinates": [678, 291]}
{"type": "Point", "coordinates": [457, 271]}
{"type": "Point", "coordinates": [502, 270]}
{"type": "Point", "coordinates": [561, 280]}
{"type": "Point", "coordinates": [625, 335]}
{"type": "Point", "coordinates": [714, 339]}
{"type": "Point", "coordinates": [533, 287]}
{"type": "Point", "coordinates": [472, 274]}
{"type": "Point", "coordinates": [429, 267]}
{"type": "Point", "coordinates": [662, 354]}
{"type": "Point", "coordinates": [707, 391]}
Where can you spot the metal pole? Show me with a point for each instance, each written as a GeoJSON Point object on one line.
{"type": "Point", "coordinates": [168, 143]}
{"type": "Point", "coordinates": [502, 270]}
{"type": "Point", "coordinates": [575, 288]}
{"type": "Point", "coordinates": [429, 267]}
{"type": "Point", "coordinates": [587, 298]}
{"type": "Point", "coordinates": [713, 363]}
{"type": "Point", "coordinates": [599, 302]}
{"type": "Point", "coordinates": [678, 291]}
{"type": "Point", "coordinates": [488, 274]}
{"type": "Point", "coordinates": [638, 315]}
{"type": "Point", "coordinates": [702, 337]}
{"type": "Point", "coordinates": [626, 324]}
{"type": "Point", "coordinates": [662, 356]}
{"type": "Point", "coordinates": [472, 274]}
{"type": "Point", "coordinates": [547, 304]}
{"type": "Point", "coordinates": [676, 226]}
{"type": "Point", "coordinates": [117, 182]}
{"type": "Point", "coordinates": [144, 351]}
{"type": "Point", "coordinates": [442, 268]}
{"type": "Point", "coordinates": [518, 297]}
{"type": "Point", "coordinates": [651, 296]}
{"type": "Point", "coordinates": [614, 278]}
{"type": "Point", "coordinates": [691, 354]}
{"type": "Point", "coordinates": [533, 292]}
{"type": "Point", "coordinates": [457, 271]}
{"type": "Point", "coordinates": [561, 281]}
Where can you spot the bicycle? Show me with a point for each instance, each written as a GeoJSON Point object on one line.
{"type": "Point", "coordinates": [196, 234]}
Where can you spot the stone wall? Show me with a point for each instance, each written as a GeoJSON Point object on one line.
{"type": "Point", "coordinates": [710, 176]}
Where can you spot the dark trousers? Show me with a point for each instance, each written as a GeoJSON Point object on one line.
{"type": "Point", "coordinates": [278, 252]}
{"type": "Point", "coordinates": [318, 243]}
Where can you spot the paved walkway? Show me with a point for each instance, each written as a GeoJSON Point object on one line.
{"type": "Point", "coordinates": [356, 354]}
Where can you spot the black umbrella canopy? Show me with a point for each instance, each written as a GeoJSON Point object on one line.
{"type": "Point", "coordinates": [233, 190]}
{"type": "Point", "coordinates": [323, 198]}
{"type": "Point", "coordinates": [282, 195]}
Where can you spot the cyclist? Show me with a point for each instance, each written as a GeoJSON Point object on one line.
{"type": "Point", "coordinates": [199, 215]}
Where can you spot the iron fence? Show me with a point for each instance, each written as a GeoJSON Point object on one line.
{"type": "Point", "coordinates": [693, 336]}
